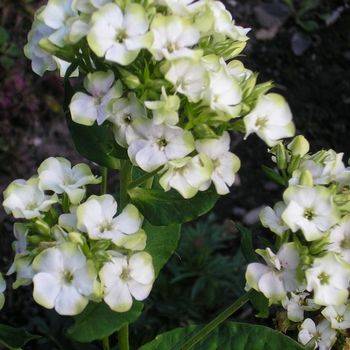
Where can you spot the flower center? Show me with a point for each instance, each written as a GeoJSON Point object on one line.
{"type": "Point", "coordinates": [121, 36]}
{"type": "Point", "coordinates": [339, 318]}
{"type": "Point", "coordinates": [261, 122]}
{"type": "Point", "coordinates": [67, 277]}
{"type": "Point", "coordinates": [125, 275]}
{"type": "Point", "coordinates": [345, 243]}
{"type": "Point", "coordinates": [162, 143]}
{"type": "Point", "coordinates": [127, 118]}
{"type": "Point", "coordinates": [309, 214]}
{"type": "Point", "coordinates": [105, 226]}
{"type": "Point", "coordinates": [323, 277]}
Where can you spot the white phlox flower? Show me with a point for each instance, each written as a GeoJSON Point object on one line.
{"type": "Point", "coordinates": [325, 167]}
{"type": "Point", "coordinates": [321, 336]}
{"type": "Point", "coordinates": [158, 144]}
{"type": "Point", "coordinates": [124, 278]}
{"type": "Point", "coordinates": [271, 119]}
{"type": "Point", "coordinates": [57, 14]}
{"type": "Point", "coordinates": [309, 209]}
{"type": "Point", "coordinates": [97, 217]}
{"type": "Point", "coordinates": [165, 110]}
{"type": "Point", "coordinates": [339, 239]}
{"type": "Point", "coordinates": [211, 17]}
{"type": "Point", "coordinates": [328, 278]}
{"type": "Point", "coordinates": [64, 279]}
{"type": "Point", "coordinates": [173, 37]}
{"type": "Point", "coordinates": [57, 175]}
{"type": "Point", "coordinates": [338, 316]}
{"type": "Point", "coordinates": [123, 113]}
{"type": "Point", "coordinates": [272, 218]}
{"type": "Point", "coordinates": [297, 304]}
{"type": "Point", "coordinates": [187, 175]}
{"type": "Point", "coordinates": [278, 277]}
{"type": "Point", "coordinates": [41, 60]}
{"type": "Point", "coordinates": [189, 77]}
{"type": "Point", "coordinates": [225, 163]}
{"type": "Point", "coordinates": [119, 36]}
{"type": "Point", "coordinates": [86, 108]}
{"type": "Point", "coordinates": [223, 93]}
{"type": "Point", "coordinates": [26, 200]}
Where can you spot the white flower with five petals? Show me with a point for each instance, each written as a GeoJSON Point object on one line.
{"type": "Point", "coordinates": [271, 119]}
{"type": "Point", "coordinates": [272, 218]}
{"type": "Point", "coordinates": [321, 336]}
{"type": "Point", "coordinates": [97, 217]}
{"type": "Point", "coordinates": [64, 279]}
{"type": "Point", "coordinates": [297, 304]}
{"type": "Point", "coordinates": [187, 175]}
{"type": "Point", "coordinates": [26, 200]}
{"type": "Point", "coordinates": [173, 37]}
{"type": "Point", "coordinates": [57, 174]}
{"type": "Point", "coordinates": [124, 113]}
{"type": "Point", "coordinates": [158, 144]}
{"type": "Point", "coordinates": [328, 278]}
{"type": "Point", "coordinates": [278, 277]}
{"type": "Point", "coordinates": [309, 209]}
{"type": "Point", "coordinates": [86, 108]}
{"type": "Point", "coordinates": [125, 277]}
{"type": "Point", "coordinates": [119, 36]}
{"type": "Point", "coordinates": [225, 163]}
{"type": "Point", "coordinates": [338, 316]}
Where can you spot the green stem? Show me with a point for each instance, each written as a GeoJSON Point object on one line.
{"type": "Point", "coordinates": [104, 174]}
{"type": "Point", "coordinates": [125, 179]}
{"type": "Point", "coordinates": [123, 338]}
{"type": "Point", "coordinates": [216, 322]}
{"type": "Point", "coordinates": [105, 343]}
{"type": "Point", "coordinates": [142, 179]}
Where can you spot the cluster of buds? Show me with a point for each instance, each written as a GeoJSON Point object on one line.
{"type": "Point", "coordinates": [309, 275]}
{"type": "Point", "coordinates": [74, 248]}
{"type": "Point", "coordinates": [164, 76]}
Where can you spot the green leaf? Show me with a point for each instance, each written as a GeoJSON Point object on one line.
{"type": "Point", "coordinates": [232, 335]}
{"type": "Point", "coordinates": [97, 144]}
{"type": "Point", "coordinates": [247, 243]}
{"type": "Point", "coordinates": [260, 303]}
{"type": "Point", "coordinates": [164, 208]}
{"type": "Point", "coordinates": [98, 321]}
{"type": "Point", "coordinates": [14, 338]}
{"type": "Point", "coordinates": [161, 243]}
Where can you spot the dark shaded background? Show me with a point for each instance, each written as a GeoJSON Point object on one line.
{"type": "Point", "coordinates": [304, 47]}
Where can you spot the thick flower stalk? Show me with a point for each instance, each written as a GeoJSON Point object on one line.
{"type": "Point", "coordinates": [310, 274]}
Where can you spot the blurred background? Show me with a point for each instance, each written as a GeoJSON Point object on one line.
{"type": "Point", "coordinates": [303, 45]}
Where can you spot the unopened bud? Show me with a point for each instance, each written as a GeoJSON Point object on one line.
{"type": "Point", "coordinates": [76, 237]}
{"type": "Point", "coordinates": [299, 146]}
{"type": "Point", "coordinates": [281, 156]}
{"type": "Point", "coordinates": [42, 227]}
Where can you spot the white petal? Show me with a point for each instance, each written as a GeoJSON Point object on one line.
{"type": "Point", "coordinates": [69, 302]}
{"type": "Point", "coordinates": [141, 268]}
{"type": "Point", "coordinates": [83, 109]}
{"type": "Point", "coordinates": [138, 290]}
{"type": "Point", "coordinates": [130, 220]}
{"type": "Point", "coordinates": [46, 289]}
{"type": "Point", "coordinates": [119, 298]}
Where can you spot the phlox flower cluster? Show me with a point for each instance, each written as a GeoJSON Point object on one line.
{"type": "Point", "coordinates": [76, 248]}
{"type": "Point", "coordinates": [307, 269]}
{"type": "Point", "coordinates": [164, 76]}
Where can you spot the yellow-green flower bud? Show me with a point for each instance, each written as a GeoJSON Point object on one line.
{"type": "Point", "coordinates": [281, 156]}
{"type": "Point", "coordinates": [299, 146]}
{"type": "Point", "coordinates": [42, 227]}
